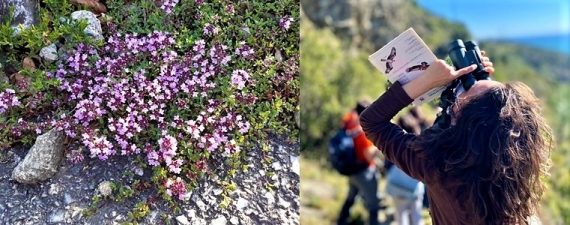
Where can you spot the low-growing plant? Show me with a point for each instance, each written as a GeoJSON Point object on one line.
{"type": "Point", "coordinates": [140, 211]}
{"type": "Point", "coordinates": [177, 86]}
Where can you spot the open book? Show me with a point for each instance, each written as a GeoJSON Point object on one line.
{"type": "Point", "coordinates": [405, 58]}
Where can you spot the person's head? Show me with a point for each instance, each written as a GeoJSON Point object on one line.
{"type": "Point", "coordinates": [497, 148]}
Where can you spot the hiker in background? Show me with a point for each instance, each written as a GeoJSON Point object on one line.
{"type": "Point", "coordinates": [363, 182]}
{"type": "Point", "coordinates": [423, 123]}
{"type": "Point", "coordinates": [406, 192]}
{"type": "Point", "coordinates": [421, 120]}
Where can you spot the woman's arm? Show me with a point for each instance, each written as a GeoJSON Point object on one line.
{"type": "Point", "coordinates": [392, 140]}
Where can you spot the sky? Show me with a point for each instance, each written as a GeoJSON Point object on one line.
{"type": "Point", "coordinates": [495, 19]}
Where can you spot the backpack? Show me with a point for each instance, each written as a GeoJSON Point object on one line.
{"type": "Point", "coordinates": [400, 185]}
{"type": "Point", "coordinates": [342, 154]}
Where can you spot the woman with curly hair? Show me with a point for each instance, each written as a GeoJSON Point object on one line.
{"type": "Point", "coordinates": [488, 166]}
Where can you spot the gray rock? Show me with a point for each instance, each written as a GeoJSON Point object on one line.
{"type": "Point", "coordinates": [277, 166]}
{"type": "Point", "coordinates": [220, 221]}
{"type": "Point", "coordinates": [57, 216]}
{"type": "Point", "coordinates": [3, 77]}
{"type": "Point", "coordinates": [93, 25]}
{"type": "Point", "coordinates": [25, 12]}
{"type": "Point", "coordinates": [201, 205]}
{"type": "Point", "coordinates": [67, 199]}
{"type": "Point", "coordinates": [241, 203]}
{"type": "Point", "coordinates": [234, 220]}
{"type": "Point", "coordinates": [49, 53]}
{"type": "Point", "coordinates": [54, 189]}
{"type": "Point", "coordinates": [153, 218]}
{"type": "Point", "coordinates": [182, 220]}
{"type": "Point", "coordinates": [283, 203]}
{"type": "Point", "coordinates": [363, 22]}
{"type": "Point", "coordinates": [295, 165]}
{"type": "Point", "coordinates": [43, 159]}
{"type": "Point", "coordinates": [105, 188]}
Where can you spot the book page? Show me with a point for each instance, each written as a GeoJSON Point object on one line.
{"type": "Point", "coordinates": [405, 58]}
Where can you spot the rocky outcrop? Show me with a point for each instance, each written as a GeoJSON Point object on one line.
{"type": "Point", "coordinates": [42, 160]}
{"type": "Point", "coordinates": [370, 24]}
{"type": "Point", "coordinates": [93, 24]}
{"type": "Point", "coordinates": [3, 77]}
{"type": "Point", "coordinates": [25, 12]}
{"type": "Point", "coordinates": [49, 53]}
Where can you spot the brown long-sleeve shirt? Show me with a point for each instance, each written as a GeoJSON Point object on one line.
{"type": "Point", "coordinates": [395, 143]}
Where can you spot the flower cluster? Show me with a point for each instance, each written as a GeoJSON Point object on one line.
{"type": "Point", "coordinates": [176, 187]}
{"type": "Point", "coordinates": [245, 51]}
{"type": "Point", "coordinates": [285, 22]}
{"type": "Point", "coordinates": [167, 152]}
{"type": "Point", "coordinates": [99, 146]}
{"type": "Point", "coordinates": [8, 100]}
{"type": "Point", "coordinates": [210, 29]}
{"type": "Point", "coordinates": [239, 78]}
{"type": "Point", "coordinates": [26, 127]}
{"type": "Point", "coordinates": [134, 83]}
{"type": "Point", "coordinates": [171, 102]}
{"type": "Point", "coordinates": [87, 111]}
{"type": "Point", "coordinates": [230, 9]}
{"type": "Point", "coordinates": [168, 5]}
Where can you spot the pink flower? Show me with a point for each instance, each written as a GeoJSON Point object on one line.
{"type": "Point", "coordinates": [176, 188]}
{"type": "Point", "coordinates": [153, 158]}
{"type": "Point", "coordinates": [285, 22]}
{"type": "Point", "coordinates": [175, 165]}
{"type": "Point", "coordinates": [8, 100]}
{"type": "Point", "coordinates": [239, 78]}
{"type": "Point", "coordinates": [245, 51]}
{"type": "Point", "coordinates": [210, 30]}
{"type": "Point", "coordinates": [168, 144]}
{"type": "Point", "coordinates": [75, 156]}
{"type": "Point", "coordinates": [243, 127]}
{"type": "Point", "coordinates": [168, 5]}
{"type": "Point", "coordinates": [99, 146]}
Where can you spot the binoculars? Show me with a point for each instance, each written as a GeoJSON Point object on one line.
{"type": "Point", "coordinates": [462, 54]}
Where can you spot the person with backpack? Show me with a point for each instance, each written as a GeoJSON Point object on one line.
{"type": "Point", "coordinates": [355, 158]}
{"type": "Point", "coordinates": [407, 193]}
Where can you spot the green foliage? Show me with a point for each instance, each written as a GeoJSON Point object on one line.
{"type": "Point", "coordinates": [333, 79]}
{"type": "Point", "coordinates": [54, 25]}
{"type": "Point", "coordinates": [139, 212]}
{"type": "Point", "coordinates": [122, 192]}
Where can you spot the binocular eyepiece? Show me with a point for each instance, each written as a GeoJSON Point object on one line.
{"type": "Point", "coordinates": [464, 54]}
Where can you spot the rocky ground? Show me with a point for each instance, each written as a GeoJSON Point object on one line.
{"type": "Point", "coordinates": [64, 198]}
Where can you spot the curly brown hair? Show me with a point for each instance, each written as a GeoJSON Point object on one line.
{"type": "Point", "coordinates": [498, 151]}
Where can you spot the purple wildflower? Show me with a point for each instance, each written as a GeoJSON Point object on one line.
{"type": "Point", "coordinates": [8, 100]}
{"type": "Point", "coordinates": [285, 22]}
{"type": "Point", "coordinates": [168, 5]}
{"type": "Point", "coordinates": [210, 30]}
{"type": "Point", "coordinates": [239, 78]}
{"type": "Point", "coordinates": [176, 188]}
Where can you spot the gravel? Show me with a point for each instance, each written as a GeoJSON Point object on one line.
{"type": "Point", "coordinates": [64, 198]}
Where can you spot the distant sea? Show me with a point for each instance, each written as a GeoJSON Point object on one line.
{"type": "Point", "coordinates": [557, 43]}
